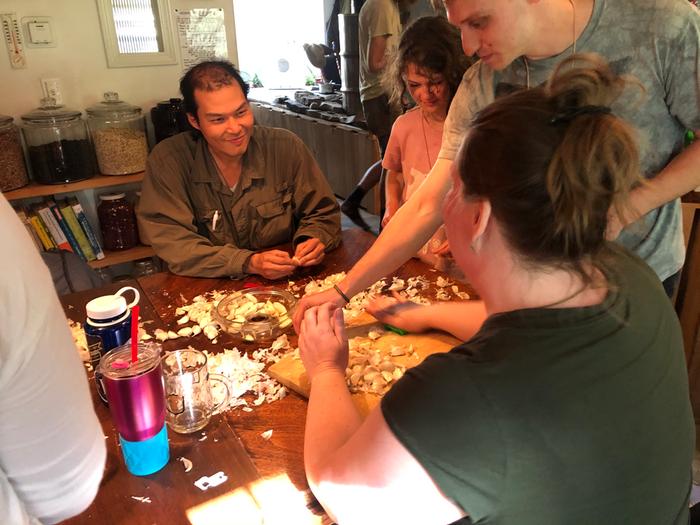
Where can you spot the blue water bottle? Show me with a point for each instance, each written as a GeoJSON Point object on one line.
{"type": "Point", "coordinates": [108, 325]}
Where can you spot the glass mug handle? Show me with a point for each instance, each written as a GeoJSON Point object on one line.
{"type": "Point", "coordinates": [224, 381]}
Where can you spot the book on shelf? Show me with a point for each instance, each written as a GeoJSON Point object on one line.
{"type": "Point", "coordinates": [75, 247]}
{"type": "Point", "coordinates": [53, 227]}
{"type": "Point", "coordinates": [85, 224]}
{"type": "Point", "coordinates": [72, 221]}
{"type": "Point", "coordinates": [40, 228]}
{"type": "Point", "coordinates": [24, 217]}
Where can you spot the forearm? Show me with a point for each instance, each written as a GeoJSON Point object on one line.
{"type": "Point", "coordinates": [394, 189]}
{"type": "Point", "coordinates": [462, 319]}
{"type": "Point", "coordinates": [188, 253]}
{"type": "Point", "coordinates": [316, 207]}
{"type": "Point", "coordinates": [414, 223]}
{"type": "Point", "coordinates": [679, 177]}
{"type": "Point", "coordinates": [331, 419]}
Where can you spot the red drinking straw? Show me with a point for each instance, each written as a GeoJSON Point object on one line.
{"type": "Point", "coordinates": [134, 333]}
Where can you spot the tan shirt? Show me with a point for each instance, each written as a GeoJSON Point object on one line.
{"type": "Point", "coordinates": [281, 196]}
{"type": "Point", "coordinates": [377, 18]}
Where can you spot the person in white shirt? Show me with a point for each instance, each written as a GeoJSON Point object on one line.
{"type": "Point", "coordinates": [52, 449]}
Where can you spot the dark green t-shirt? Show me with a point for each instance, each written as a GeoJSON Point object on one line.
{"type": "Point", "coordinates": [549, 416]}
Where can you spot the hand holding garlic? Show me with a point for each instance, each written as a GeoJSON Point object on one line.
{"type": "Point", "coordinates": [322, 342]}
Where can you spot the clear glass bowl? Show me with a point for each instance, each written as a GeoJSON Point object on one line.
{"type": "Point", "coordinates": [256, 314]}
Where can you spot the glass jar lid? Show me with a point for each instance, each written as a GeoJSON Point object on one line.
{"type": "Point", "coordinates": [112, 196]}
{"type": "Point", "coordinates": [112, 107]}
{"type": "Point", "coordinates": [49, 112]}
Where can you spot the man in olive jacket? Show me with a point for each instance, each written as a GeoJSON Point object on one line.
{"type": "Point", "coordinates": [214, 200]}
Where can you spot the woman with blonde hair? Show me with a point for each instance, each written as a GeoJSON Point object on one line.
{"type": "Point", "coordinates": [568, 401]}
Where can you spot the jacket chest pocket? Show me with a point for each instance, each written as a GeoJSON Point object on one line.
{"type": "Point", "coordinates": [272, 221]}
{"type": "Point", "coordinates": [211, 224]}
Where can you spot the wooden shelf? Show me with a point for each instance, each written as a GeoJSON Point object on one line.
{"type": "Point", "coordinates": [123, 256]}
{"type": "Point", "coordinates": [98, 181]}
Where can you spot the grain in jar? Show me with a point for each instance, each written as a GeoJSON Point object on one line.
{"type": "Point", "coordinates": [13, 173]}
{"type": "Point", "coordinates": [119, 133]}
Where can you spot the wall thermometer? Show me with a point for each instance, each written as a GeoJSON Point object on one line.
{"type": "Point", "coordinates": [13, 39]}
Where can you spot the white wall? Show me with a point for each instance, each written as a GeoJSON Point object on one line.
{"type": "Point", "coordinates": [78, 59]}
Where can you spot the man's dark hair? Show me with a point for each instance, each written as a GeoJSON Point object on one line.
{"type": "Point", "coordinates": [208, 76]}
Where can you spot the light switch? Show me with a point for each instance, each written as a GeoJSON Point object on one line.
{"type": "Point", "coordinates": [40, 33]}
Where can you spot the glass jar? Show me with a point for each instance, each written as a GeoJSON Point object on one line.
{"type": "Point", "coordinates": [117, 222]}
{"type": "Point", "coordinates": [144, 267]}
{"type": "Point", "coordinates": [13, 174]}
{"type": "Point", "coordinates": [118, 132]}
{"type": "Point", "coordinates": [169, 118]}
{"type": "Point", "coordinates": [57, 144]}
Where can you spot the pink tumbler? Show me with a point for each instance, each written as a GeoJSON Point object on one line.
{"type": "Point", "coordinates": [136, 400]}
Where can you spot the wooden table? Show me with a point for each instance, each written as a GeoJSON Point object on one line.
{"type": "Point", "coordinates": [265, 477]}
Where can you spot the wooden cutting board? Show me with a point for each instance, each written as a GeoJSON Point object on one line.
{"type": "Point", "coordinates": [291, 373]}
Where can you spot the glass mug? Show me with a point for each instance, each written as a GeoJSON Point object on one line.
{"type": "Point", "coordinates": [189, 401]}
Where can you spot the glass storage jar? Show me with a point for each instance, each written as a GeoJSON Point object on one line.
{"type": "Point", "coordinates": [13, 173]}
{"type": "Point", "coordinates": [118, 132]}
{"type": "Point", "coordinates": [117, 222]}
{"type": "Point", "coordinates": [169, 118]}
{"type": "Point", "coordinates": [57, 144]}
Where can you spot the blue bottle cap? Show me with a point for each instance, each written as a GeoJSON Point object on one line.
{"type": "Point", "coordinates": [146, 457]}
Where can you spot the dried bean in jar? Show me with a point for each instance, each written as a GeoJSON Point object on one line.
{"type": "Point", "coordinates": [13, 174]}
{"type": "Point", "coordinates": [62, 161]}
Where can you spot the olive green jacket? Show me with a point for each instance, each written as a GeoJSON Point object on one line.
{"type": "Point", "coordinates": [281, 196]}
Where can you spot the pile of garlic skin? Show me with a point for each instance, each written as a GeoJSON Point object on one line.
{"type": "Point", "coordinates": [246, 375]}
{"type": "Point", "coordinates": [411, 289]}
{"type": "Point", "coordinates": [197, 317]}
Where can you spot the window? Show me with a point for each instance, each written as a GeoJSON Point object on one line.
{"type": "Point", "coordinates": [137, 32]}
{"type": "Point", "coordinates": [270, 35]}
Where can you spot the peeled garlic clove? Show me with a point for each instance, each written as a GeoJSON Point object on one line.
{"type": "Point", "coordinates": [281, 309]}
{"type": "Point", "coordinates": [184, 319]}
{"type": "Point", "coordinates": [397, 351]}
{"type": "Point", "coordinates": [375, 334]}
{"type": "Point", "coordinates": [210, 331]}
{"type": "Point", "coordinates": [371, 376]}
{"type": "Point", "coordinates": [185, 332]}
{"type": "Point", "coordinates": [387, 366]}
{"type": "Point", "coordinates": [196, 330]}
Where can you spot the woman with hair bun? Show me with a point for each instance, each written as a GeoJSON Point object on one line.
{"type": "Point", "coordinates": [429, 64]}
{"type": "Point", "coordinates": [568, 401]}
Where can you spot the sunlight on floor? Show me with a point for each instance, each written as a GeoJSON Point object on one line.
{"type": "Point", "coordinates": [271, 501]}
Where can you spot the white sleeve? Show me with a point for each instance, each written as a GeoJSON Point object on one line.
{"type": "Point", "coordinates": [52, 449]}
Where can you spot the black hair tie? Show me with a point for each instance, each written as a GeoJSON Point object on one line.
{"type": "Point", "coordinates": [569, 114]}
